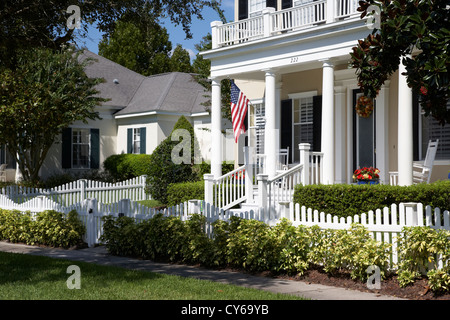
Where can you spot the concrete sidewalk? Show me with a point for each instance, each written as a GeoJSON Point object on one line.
{"type": "Point", "coordinates": [98, 255]}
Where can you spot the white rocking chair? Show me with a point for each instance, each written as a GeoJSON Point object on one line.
{"type": "Point", "coordinates": [421, 172]}
{"type": "Point", "coordinates": [3, 172]}
{"type": "Point", "coordinates": [283, 159]}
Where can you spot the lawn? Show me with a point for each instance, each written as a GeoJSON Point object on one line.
{"type": "Point", "coordinates": [26, 277]}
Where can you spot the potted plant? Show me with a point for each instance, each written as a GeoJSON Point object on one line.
{"type": "Point", "coordinates": [366, 175]}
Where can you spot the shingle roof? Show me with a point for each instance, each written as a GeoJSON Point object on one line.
{"type": "Point", "coordinates": [134, 93]}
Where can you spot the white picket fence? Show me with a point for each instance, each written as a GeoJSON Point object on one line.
{"type": "Point", "coordinates": [384, 224]}
{"type": "Point", "coordinates": [77, 191]}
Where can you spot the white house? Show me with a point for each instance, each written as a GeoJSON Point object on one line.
{"type": "Point", "coordinates": [291, 59]}
{"type": "Point", "coordinates": [141, 113]}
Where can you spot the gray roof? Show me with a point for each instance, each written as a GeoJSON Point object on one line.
{"type": "Point", "coordinates": [173, 92]}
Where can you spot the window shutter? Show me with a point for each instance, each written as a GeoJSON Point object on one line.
{"type": "Point", "coordinates": [95, 149]}
{"type": "Point", "coordinates": [317, 124]}
{"type": "Point", "coordinates": [130, 141]}
{"type": "Point", "coordinates": [416, 115]}
{"type": "Point", "coordinates": [243, 9]}
{"type": "Point", "coordinates": [143, 140]}
{"type": "Point", "coordinates": [271, 3]}
{"type": "Point", "coordinates": [285, 4]}
{"type": "Point", "coordinates": [286, 125]}
{"type": "Point", "coordinates": [66, 149]}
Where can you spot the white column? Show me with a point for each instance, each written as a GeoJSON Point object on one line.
{"type": "Point", "coordinates": [382, 132]}
{"type": "Point", "coordinates": [216, 129]}
{"type": "Point", "coordinates": [328, 122]}
{"type": "Point", "coordinates": [405, 130]}
{"type": "Point", "coordinates": [270, 134]}
{"type": "Point", "coordinates": [278, 118]}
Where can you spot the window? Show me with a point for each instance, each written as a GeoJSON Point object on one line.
{"type": "Point", "coordinates": [137, 140]}
{"type": "Point", "coordinates": [432, 130]}
{"type": "Point", "coordinates": [303, 122]}
{"type": "Point", "coordinates": [80, 148]}
{"type": "Point", "coordinates": [255, 7]}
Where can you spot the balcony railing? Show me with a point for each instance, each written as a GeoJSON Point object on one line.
{"type": "Point", "coordinates": [273, 22]}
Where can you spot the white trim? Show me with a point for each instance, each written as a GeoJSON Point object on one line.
{"type": "Point", "coordinates": [151, 113]}
{"type": "Point", "coordinates": [300, 95]}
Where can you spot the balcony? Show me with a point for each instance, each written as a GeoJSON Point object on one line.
{"type": "Point", "coordinates": [272, 22]}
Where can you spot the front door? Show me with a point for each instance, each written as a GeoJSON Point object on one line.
{"type": "Point", "coordinates": [363, 137]}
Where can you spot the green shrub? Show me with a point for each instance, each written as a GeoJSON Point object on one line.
{"type": "Point", "coordinates": [347, 200]}
{"type": "Point", "coordinates": [163, 170]}
{"type": "Point", "coordinates": [127, 166]}
{"type": "Point", "coordinates": [419, 250]}
{"type": "Point", "coordinates": [180, 192]}
{"type": "Point", "coordinates": [49, 228]}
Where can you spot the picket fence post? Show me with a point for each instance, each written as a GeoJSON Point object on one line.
{"type": "Point", "coordinates": [90, 222]}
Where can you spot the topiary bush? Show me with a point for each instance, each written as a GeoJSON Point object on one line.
{"type": "Point", "coordinates": [163, 170]}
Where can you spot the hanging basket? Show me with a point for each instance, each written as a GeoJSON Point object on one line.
{"type": "Point", "coordinates": [364, 106]}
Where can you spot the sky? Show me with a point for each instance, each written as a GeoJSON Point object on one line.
{"type": "Point", "coordinates": [199, 29]}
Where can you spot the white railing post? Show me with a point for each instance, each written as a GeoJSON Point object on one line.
{"type": "Point", "coordinates": [304, 159]}
{"type": "Point", "coordinates": [262, 193]}
{"type": "Point", "coordinates": [248, 162]}
{"type": "Point", "coordinates": [124, 205]}
{"type": "Point", "coordinates": [90, 222]}
{"type": "Point", "coordinates": [215, 33]}
{"type": "Point", "coordinates": [330, 10]}
{"type": "Point", "coordinates": [209, 184]}
{"type": "Point", "coordinates": [267, 21]}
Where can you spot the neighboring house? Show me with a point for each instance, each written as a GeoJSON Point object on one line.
{"type": "Point", "coordinates": [141, 113]}
{"type": "Point", "coordinates": [291, 59]}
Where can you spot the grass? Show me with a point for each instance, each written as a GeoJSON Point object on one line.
{"type": "Point", "coordinates": [151, 203]}
{"type": "Point", "coordinates": [27, 277]}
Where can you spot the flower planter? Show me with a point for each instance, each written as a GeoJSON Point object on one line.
{"type": "Point", "coordinates": [373, 181]}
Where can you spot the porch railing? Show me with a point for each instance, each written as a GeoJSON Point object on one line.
{"type": "Point", "coordinates": [272, 22]}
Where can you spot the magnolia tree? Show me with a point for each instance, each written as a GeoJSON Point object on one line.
{"type": "Point", "coordinates": [415, 33]}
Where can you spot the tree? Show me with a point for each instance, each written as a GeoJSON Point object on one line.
{"type": "Point", "coordinates": [142, 46]}
{"type": "Point", "coordinates": [43, 23]}
{"type": "Point", "coordinates": [407, 26]}
{"type": "Point", "coordinates": [47, 91]}
{"type": "Point", "coordinates": [180, 61]}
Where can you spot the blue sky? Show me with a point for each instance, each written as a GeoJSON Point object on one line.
{"type": "Point", "coordinates": [199, 29]}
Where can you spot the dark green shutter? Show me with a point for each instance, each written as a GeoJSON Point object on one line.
{"type": "Point", "coordinates": [95, 149]}
{"type": "Point", "coordinates": [66, 149]}
{"type": "Point", "coordinates": [317, 124]}
{"type": "Point", "coordinates": [285, 4]}
{"type": "Point", "coordinates": [271, 3]}
{"type": "Point", "coordinates": [286, 125]}
{"type": "Point", "coordinates": [130, 141]}
{"type": "Point", "coordinates": [243, 9]}
{"type": "Point", "coordinates": [143, 140]}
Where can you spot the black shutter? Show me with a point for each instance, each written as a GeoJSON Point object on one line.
{"type": "Point", "coordinates": [95, 149]}
{"type": "Point", "coordinates": [143, 144]}
{"type": "Point", "coordinates": [271, 3]}
{"type": "Point", "coordinates": [130, 141]}
{"type": "Point", "coordinates": [416, 115]}
{"type": "Point", "coordinates": [285, 4]}
{"type": "Point", "coordinates": [66, 149]}
{"type": "Point", "coordinates": [243, 9]}
{"type": "Point", "coordinates": [317, 124]}
{"type": "Point", "coordinates": [286, 124]}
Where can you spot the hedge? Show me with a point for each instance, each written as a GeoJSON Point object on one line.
{"type": "Point", "coordinates": [180, 192]}
{"type": "Point", "coordinates": [252, 245]}
{"type": "Point", "coordinates": [48, 228]}
{"type": "Point", "coordinates": [347, 200]}
{"type": "Point", "coordinates": [126, 166]}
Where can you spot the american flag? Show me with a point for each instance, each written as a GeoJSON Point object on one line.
{"type": "Point", "coordinates": [239, 105]}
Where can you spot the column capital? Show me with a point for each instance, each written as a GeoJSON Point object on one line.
{"type": "Point", "coordinates": [269, 71]}
{"type": "Point", "coordinates": [216, 80]}
{"type": "Point", "coordinates": [327, 62]}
